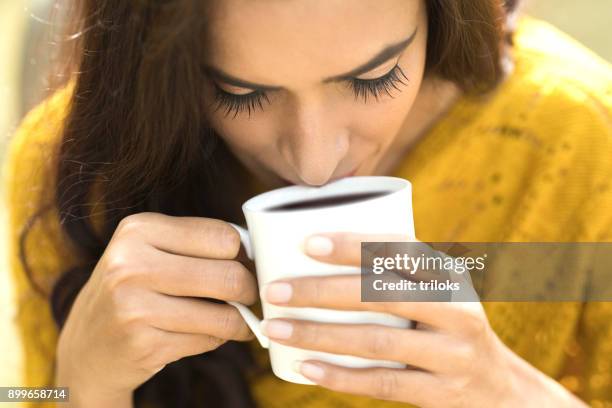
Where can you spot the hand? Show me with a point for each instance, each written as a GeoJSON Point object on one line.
{"type": "Point", "coordinates": [140, 309]}
{"type": "Point", "coordinates": [455, 357]}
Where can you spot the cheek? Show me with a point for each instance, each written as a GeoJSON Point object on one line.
{"type": "Point", "coordinates": [378, 128]}
{"type": "Point", "coordinates": [250, 142]}
{"type": "Point", "coordinates": [240, 132]}
{"type": "Point", "coordinates": [382, 120]}
{"type": "Point", "coordinates": [252, 135]}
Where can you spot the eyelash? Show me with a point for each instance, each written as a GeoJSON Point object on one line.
{"type": "Point", "coordinates": [239, 103]}
{"type": "Point", "coordinates": [362, 88]}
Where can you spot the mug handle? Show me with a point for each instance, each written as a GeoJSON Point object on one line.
{"type": "Point", "coordinates": [249, 317]}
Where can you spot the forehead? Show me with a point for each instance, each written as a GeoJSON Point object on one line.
{"type": "Point", "coordinates": [272, 40]}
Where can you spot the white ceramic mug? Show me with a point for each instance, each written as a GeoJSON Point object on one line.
{"type": "Point", "coordinates": [275, 241]}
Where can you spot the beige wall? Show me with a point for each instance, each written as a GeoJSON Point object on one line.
{"type": "Point", "coordinates": [589, 21]}
{"type": "Point", "coordinates": [12, 22]}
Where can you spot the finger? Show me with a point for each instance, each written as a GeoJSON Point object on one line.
{"type": "Point", "coordinates": [191, 236]}
{"type": "Point", "coordinates": [175, 346]}
{"type": "Point", "coordinates": [343, 292]}
{"type": "Point", "coordinates": [427, 350]}
{"type": "Point", "coordinates": [213, 278]}
{"type": "Point", "coordinates": [344, 248]}
{"type": "Point", "coordinates": [188, 315]}
{"type": "Point", "coordinates": [411, 386]}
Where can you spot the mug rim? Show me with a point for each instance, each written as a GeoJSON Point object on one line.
{"type": "Point", "coordinates": [261, 202]}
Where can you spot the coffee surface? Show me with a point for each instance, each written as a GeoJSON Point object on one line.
{"type": "Point", "coordinates": [327, 201]}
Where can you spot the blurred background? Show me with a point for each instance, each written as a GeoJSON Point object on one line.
{"type": "Point", "coordinates": [25, 45]}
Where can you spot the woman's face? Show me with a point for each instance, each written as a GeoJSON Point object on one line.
{"type": "Point", "coordinates": [305, 92]}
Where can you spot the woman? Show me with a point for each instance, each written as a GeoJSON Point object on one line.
{"type": "Point", "coordinates": [178, 109]}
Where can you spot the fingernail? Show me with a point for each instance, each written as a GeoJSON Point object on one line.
{"type": "Point", "coordinates": [277, 329]}
{"type": "Point", "coordinates": [312, 371]}
{"type": "Point", "coordinates": [319, 245]}
{"type": "Point", "coordinates": [278, 292]}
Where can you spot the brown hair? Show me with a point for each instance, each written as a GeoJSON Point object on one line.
{"type": "Point", "coordinates": [135, 135]}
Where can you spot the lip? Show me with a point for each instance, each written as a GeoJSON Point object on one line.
{"type": "Point", "coordinates": [352, 173]}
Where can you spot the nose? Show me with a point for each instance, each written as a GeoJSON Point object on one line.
{"type": "Point", "coordinates": [314, 142]}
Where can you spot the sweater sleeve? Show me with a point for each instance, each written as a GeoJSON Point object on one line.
{"type": "Point", "coordinates": [594, 336]}
{"type": "Point", "coordinates": [35, 236]}
{"type": "Point", "coordinates": [590, 370]}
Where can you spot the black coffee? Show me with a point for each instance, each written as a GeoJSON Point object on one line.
{"type": "Point", "coordinates": [327, 201]}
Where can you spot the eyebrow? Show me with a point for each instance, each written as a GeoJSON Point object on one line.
{"type": "Point", "coordinates": [383, 56]}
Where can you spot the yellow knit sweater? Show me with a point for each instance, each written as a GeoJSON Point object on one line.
{"type": "Point", "coordinates": [532, 162]}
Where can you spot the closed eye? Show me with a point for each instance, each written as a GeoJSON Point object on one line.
{"type": "Point", "coordinates": [375, 87]}
{"type": "Point", "coordinates": [363, 89]}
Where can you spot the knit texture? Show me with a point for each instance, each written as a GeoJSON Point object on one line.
{"type": "Point", "coordinates": [532, 162]}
